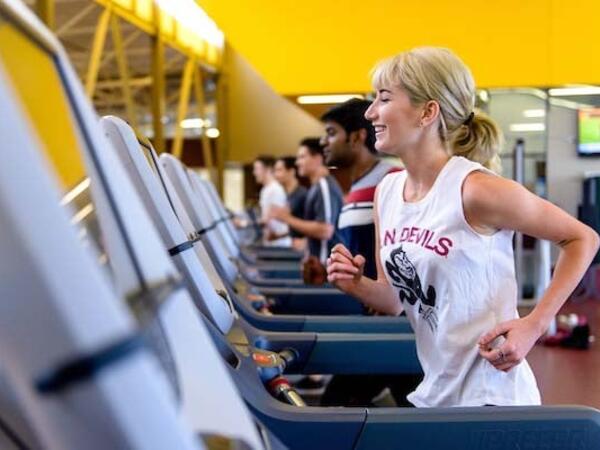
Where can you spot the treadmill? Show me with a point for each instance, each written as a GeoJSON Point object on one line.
{"type": "Point", "coordinates": [259, 374]}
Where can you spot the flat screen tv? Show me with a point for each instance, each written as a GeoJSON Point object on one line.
{"type": "Point", "coordinates": [588, 142]}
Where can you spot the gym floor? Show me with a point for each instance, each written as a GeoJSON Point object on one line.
{"type": "Point", "coordinates": [567, 376]}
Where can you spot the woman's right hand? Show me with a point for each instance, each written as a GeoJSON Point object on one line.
{"type": "Point", "coordinates": [344, 271]}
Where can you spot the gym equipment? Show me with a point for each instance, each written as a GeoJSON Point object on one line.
{"type": "Point", "coordinates": [314, 427]}
{"type": "Point", "coordinates": [154, 187]}
{"type": "Point", "coordinates": [53, 290]}
{"type": "Point", "coordinates": [84, 371]}
{"type": "Point", "coordinates": [197, 367]}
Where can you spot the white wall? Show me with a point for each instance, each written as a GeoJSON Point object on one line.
{"type": "Point", "coordinates": [233, 187]}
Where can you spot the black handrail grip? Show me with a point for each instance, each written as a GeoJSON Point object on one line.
{"type": "Point", "coordinates": [85, 367]}
{"type": "Point", "coordinates": [181, 248]}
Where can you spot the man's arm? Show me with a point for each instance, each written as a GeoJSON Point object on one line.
{"type": "Point", "coordinates": [314, 225]}
{"type": "Point", "coordinates": [309, 228]}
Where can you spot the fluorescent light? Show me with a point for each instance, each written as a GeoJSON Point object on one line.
{"type": "Point", "coordinates": [82, 214]}
{"type": "Point", "coordinates": [533, 113]}
{"type": "Point", "coordinates": [520, 127]}
{"type": "Point", "coordinates": [73, 193]}
{"type": "Point", "coordinates": [213, 133]}
{"type": "Point", "coordinates": [326, 99]}
{"type": "Point", "coordinates": [580, 90]}
{"type": "Point", "coordinates": [569, 104]}
{"type": "Point", "coordinates": [192, 123]}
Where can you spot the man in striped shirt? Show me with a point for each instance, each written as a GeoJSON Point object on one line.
{"type": "Point", "coordinates": [350, 146]}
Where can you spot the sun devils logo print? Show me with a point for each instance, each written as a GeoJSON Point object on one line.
{"type": "Point", "coordinates": [405, 278]}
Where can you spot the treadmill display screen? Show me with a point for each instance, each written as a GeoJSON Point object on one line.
{"type": "Point", "coordinates": [589, 132]}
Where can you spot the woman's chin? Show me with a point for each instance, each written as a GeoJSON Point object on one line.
{"type": "Point", "coordinates": [381, 146]}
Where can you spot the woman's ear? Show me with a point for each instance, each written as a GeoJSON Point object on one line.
{"type": "Point", "coordinates": [430, 113]}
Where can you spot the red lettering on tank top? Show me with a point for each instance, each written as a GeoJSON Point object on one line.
{"type": "Point", "coordinates": [422, 236]}
{"type": "Point", "coordinates": [404, 234]}
{"type": "Point", "coordinates": [419, 236]}
{"type": "Point", "coordinates": [427, 245]}
{"type": "Point", "coordinates": [444, 245]}
{"type": "Point", "coordinates": [390, 237]}
{"type": "Point", "coordinates": [412, 234]}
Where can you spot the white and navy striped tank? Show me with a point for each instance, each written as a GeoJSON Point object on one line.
{"type": "Point", "coordinates": [356, 228]}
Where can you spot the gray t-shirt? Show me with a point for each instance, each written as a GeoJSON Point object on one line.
{"type": "Point", "coordinates": [296, 201]}
{"type": "Point", "coordinates": [323, 204]}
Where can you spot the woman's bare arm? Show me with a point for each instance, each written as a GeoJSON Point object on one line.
{"type": "Point", "coordinates": [493, 203]}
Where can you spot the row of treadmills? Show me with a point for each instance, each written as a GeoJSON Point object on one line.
{"type": "Point", "coordinates": [134, 315]}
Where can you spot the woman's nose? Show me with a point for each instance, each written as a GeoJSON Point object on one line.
{"type": "Point", "coordinates": [370, 113]}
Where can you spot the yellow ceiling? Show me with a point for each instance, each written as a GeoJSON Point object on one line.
{"type": "Point", "coordinates": [323, 46]}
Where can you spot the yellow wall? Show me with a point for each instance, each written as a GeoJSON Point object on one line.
{"type": "Point", "coordinates": [259, 121]}
{"type": "Point", "coordinates": [321, 46]}
{"type": "Point", "coordinates": [37, 84]}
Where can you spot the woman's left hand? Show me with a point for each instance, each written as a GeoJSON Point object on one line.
{"type": "Point", "coordinates": [520, 336]}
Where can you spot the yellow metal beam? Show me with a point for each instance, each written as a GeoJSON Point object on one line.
{"type": "Point", "coordinates": [97, 47]}
{"type": "Point", "coordinates": [45, 10]}
{"type": "Point", "coordinates": [123, 70]}
{"type": "Point", "coordinates": [184, 100]}
{"type": "Point", "coordinates": [199, 94]}
{"type": "Point", "coordinates": [152, 28]}
{"type": "Point", "coordinates": [171, 99]}
{"type": "Point", "coordinates": [222, 142]}
{"type": "Point", "coordinates": [138, 82]}
{"type": "Point", "coordinates": [75, 19]}
{"type": "Point", "coordinates": [174, 61]}
{"type": "Point", "coordinates": [148, 27]}
{"type": "Point", "coordinates": [108, 56]}
{"type": "Point", "coordinates": [158, 92]}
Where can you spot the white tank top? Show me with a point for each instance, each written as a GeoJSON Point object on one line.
{"type": "Point", "coordinates": [455, 285]}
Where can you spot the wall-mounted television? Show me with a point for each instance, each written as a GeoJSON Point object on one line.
{"type": "Point", "coordinates": [588, 142]}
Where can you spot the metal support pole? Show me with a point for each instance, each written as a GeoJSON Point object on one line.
{"type": "Point", "coordinates": [123, 70]}
{"type": "Point", "coordinates": [158, 92]}
{"type": "Point", "coordinates": [519, 177]}
{"type": "Point", "coordinates": [200, 103]}
{"type": "Point", "coordinates": [222, 114]}
{"type": "Point", "coordinates": [97, 47]}
{"type": "Point", "coordinates": [45, 11]}
{"type": "Point", "coordinates": [184, 100]}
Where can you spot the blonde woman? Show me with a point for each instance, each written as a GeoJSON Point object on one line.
{"type": "Point", "coordinates": [444, 238]}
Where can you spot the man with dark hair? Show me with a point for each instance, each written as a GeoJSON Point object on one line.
{"type": "Point", "coordinates": [287, 175]}
{"type": "Point", "coordinates": [272, 195]}
{"type": "Point", "coordinates": [323, 202]}
{"type": "Point", "coordinates": [350, 146]}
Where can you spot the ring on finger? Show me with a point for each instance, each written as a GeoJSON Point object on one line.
{"type": "Point", "coordinates": [501, 355]}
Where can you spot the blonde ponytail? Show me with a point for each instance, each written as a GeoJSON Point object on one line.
{"type": "Point", "coordinates": [479, 140]}
{"type": "Point", "coordinates": [431, 73]}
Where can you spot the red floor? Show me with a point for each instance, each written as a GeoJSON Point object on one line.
{"type": "Point", "coordinates": [568, 376]}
